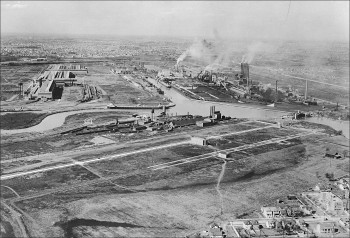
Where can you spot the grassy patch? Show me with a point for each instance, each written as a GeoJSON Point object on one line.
{"type": "Point", "coordinates": [33, 183]}
{"type": "Point", "coordinates": [58, 199]}
{"type": "Point", "coordinates": [11, 121]}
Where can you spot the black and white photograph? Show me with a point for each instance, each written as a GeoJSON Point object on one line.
{"type": "Point", "coordinates": [164, 119]}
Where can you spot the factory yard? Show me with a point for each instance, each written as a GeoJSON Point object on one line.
{"type": "Point", "coordinates": [109, 87]}
{"type": "Point", "coordinates": [164, 184]}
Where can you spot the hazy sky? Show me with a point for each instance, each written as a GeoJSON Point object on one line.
{"type": "Point", "coordinates": [324, 20]}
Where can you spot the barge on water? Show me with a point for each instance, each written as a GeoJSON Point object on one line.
{"type": "Point", "coordinates": [112, 106]}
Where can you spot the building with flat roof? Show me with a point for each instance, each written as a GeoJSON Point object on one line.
{"type": "Point", "coordinates": [74, 68]}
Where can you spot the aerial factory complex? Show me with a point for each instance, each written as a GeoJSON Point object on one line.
{"type": "Point", "coordinates": [168, 137]}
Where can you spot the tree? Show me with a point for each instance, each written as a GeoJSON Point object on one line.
{"type": "Point", "coordinates": [330, 175]}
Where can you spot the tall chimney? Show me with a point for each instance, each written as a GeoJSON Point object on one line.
{"type": "Point", "coordinates": [276, 92]}
{"type": "Point", "coordinates": [152, 115]}
{"type": "Point", "coordinates": [245, 72]}
{"type": "Point", "coordinates": [306, 89]}
{"type": "Point", "coordinates": [20, 89]}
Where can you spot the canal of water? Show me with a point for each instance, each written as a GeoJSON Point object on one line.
{"type": "Point", "coordinates": [185, 105]}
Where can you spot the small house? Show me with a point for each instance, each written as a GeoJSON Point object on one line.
{"type": "Point", "coordinates": [199, 141]}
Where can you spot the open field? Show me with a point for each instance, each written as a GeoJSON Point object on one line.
{"type": "Point", "coordinates": [11, 121]}
{"type": "Point", "coordinates": [139, 162]}
{"type": "Point", "coordinates": [189, 198]}
{"type": "Point", "coordinates": [11, 76]}
{"type": "Point", "coordinates": [31, 184]}
{"type": "Point", "coordinates": [171, 189]}
{"type": "Point", "coordinates": [15, 74]}
{"type": "Point", "coordinates": [96, 117]}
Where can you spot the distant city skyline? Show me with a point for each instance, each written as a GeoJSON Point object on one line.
{"type": "Point", "coordinates": [314, 20]}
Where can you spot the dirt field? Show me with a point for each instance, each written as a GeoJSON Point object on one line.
{"type": "Point", "coordinates": [31, 184]}
{"type": "Point", "coordinates": [188, 202]}
{"type": "Point", "coordinates": [172, 190]}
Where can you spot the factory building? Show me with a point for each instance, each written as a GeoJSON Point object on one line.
{"type": "Point", "coordinates": [216, 115]}
{"type": "Point", "coordinates": [46, 90]}
{"type": "Point", "coordinates": [199, 141]}
{"type": "Point", "coordinates": [75, 69]}
{"type": "Point", "coordinates": [51, 82]}
{"type": "Point", "coordinates": [206, 122]}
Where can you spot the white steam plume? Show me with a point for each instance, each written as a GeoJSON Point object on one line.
{"type": "Point", "coordinates": [224, 50]}
{"type": "Point", "coordinates": [252, 50]}
{"type": "Point", "coordinates": [200, 49]}
{"type": "Point", "coordinates": [182, 57]}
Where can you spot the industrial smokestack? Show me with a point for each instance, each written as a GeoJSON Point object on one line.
{"type": "Point", "coordinates": [276, 92]}
{"type": "Point", "coordinates": [245, 72]}
{"type": "Point", "coordinates": [306, 89]}
{"type": "Point", "coordinates": [164, 109]}
{"type": "Point", "coordinates": [152, 114]}
{"type": "Point", "coordinates": [20, 89]}
{"type": "Point", "coordinates": [212, 111]}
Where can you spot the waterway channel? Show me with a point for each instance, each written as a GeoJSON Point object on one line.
{"type": "Point", "coordinates": [185, 105]}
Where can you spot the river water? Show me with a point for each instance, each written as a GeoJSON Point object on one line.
{"type": "Point", "coordinates": [50, 122]}
{"type": "Point", "coordinates": [185, 105]}
{"type": "Point", "coordinates": [335, 124]}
